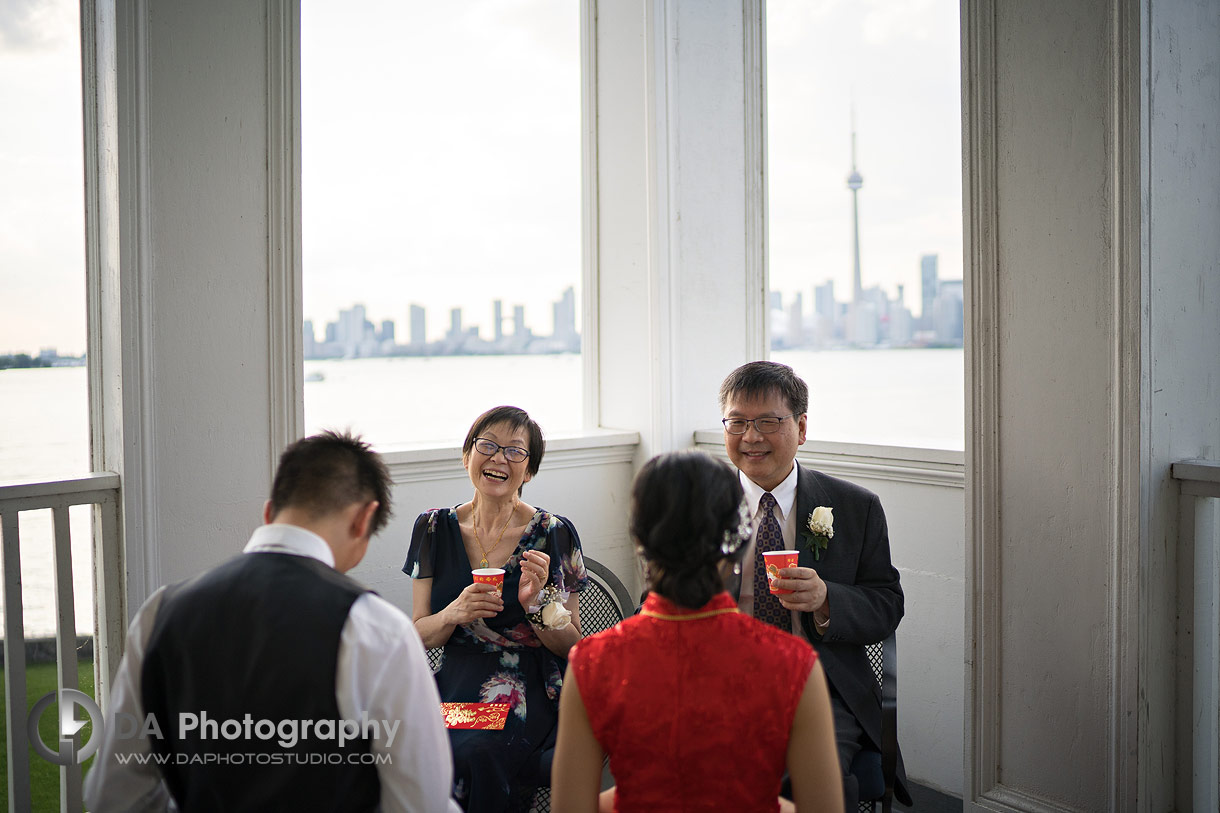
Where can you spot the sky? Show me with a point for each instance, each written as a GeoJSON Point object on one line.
{"type": "Point", "coordinates": [896, 64]}
{"type": "Point", "coordinates": [442, 144]}
{"type": "Point", "coordinates": [42, 220]}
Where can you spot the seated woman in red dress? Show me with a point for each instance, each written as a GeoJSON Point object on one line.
{"type": "Point", "coordinates": [698, 706]}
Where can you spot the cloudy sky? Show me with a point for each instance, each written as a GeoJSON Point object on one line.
{"type": "Point", "coordinates": [443, 144]}
{"type": "Point", "coordinates": [42, 222]}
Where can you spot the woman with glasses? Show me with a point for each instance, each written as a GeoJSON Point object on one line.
{"type": "Point", "coordinates": [500, 647]}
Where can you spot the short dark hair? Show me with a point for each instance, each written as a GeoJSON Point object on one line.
{"type": "Point", "coordinates": [759, 379]}
{"type": "Point", "coordinates": [327, 472]}
{"type": "Point", "coordinates": [682, 505]}
{"type": "Point", "coordinates": [517, 418]}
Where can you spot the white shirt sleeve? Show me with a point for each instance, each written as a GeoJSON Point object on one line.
{"type": "Point", "coordinates": [383, 672]}
{"type": "Point", "coordinates": [124, 776]}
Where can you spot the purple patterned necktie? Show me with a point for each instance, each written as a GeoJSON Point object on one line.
{"type": "Point", "coordinates": [766, 605]}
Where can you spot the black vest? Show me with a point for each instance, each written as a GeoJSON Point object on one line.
{"type": "Point", "coordinates": [258, 636]}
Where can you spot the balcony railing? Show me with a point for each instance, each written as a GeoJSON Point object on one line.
{"type": "Point", "coordinates": [100, 490]}
{"type": "Point", "coordinates": [1200, 482]}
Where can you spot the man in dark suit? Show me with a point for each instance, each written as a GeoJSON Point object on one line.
{"type": "Point", "coordinates": [846, 594]}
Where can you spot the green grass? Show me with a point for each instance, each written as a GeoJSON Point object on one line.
{"type": "Point", "coordinates": [44, 776]}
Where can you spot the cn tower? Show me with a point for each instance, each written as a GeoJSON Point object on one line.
{"type": "Point", "coordinates": [854, 182]}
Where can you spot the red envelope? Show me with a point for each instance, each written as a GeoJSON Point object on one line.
{"type": "Point", "coordinates": [475, 715]}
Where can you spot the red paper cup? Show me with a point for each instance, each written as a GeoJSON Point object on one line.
{"type": "Point", "coordinates": [490, 575]}
{"type": "Point", "coordinates": [776, 561]}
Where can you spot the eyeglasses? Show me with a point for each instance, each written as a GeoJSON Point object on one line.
{"type": "Point", "coordinates": [487, 447]}
{"type": "Point", "coordinates": [739, 426]}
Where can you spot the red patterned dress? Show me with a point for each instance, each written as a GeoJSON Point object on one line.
{"type": "Point", "coordinates": [694, 707]}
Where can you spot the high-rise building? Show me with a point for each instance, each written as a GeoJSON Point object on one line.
{"type": "Point", "coordinates": [419, 326]}
{"type": "Point", "coordinates": [928, 284]}
{"type": "Point", "coordinates": [824, 300]}
{"type": "Point", "coordinates": [565, 320]}
{"type": "Point", "coordinates": [351, 331]}
{"type": "Point", "coordinates": [796, 322]}
{"type": "Point", "coordinates": [947, 312]}
{"type": "Point", "coordinates": [900, 325]}
{"type": "Point", "coordinates": [867, 315]}
{"type": "Point", "coordinates": [824, 313]}
{"type": "Point", "coordinates": [387, 331]}
{"type": "Point", "coordinates": [497, 320]}
{"type": "Point", "coordinates": [520, 331]}
{"type": "Point", "coordinates": [862, 324]}
{"type": "Point", "coordinates": [455, 323]}
{"type": "Point", "coordinates": [309, 341]}
{"type": "Point", "coordinates": [776, 301]}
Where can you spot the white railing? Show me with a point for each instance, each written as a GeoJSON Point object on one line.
{"type": "Point", "coordinates": [102, 491]}
{"type": "Point", "coordinates": [1200, 483]}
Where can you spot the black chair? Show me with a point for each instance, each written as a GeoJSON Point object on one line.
{"type": "Point", "coordinates": [604, 603]}
{"type": "Point", "coordinates": [875, 771]}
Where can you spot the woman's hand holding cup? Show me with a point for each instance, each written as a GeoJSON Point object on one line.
{"type": "Point", "coordinates": [478, 600]}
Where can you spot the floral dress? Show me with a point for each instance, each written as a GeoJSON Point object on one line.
{"type": "Point", "coordinates": [498, 659]}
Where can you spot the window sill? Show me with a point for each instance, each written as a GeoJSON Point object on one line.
{"type": "Point", "coordinates": [410, 463]}
{"type": "Point", "coordinates": [938, 467]}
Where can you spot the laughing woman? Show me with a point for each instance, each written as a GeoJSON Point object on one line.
{"type": "Point", "coordinates": [499, 648]}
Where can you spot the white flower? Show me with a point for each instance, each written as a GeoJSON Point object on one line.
{"type": "Point", "coordinates": [822, 522]}
{"type": "Point", "coordinates": [556, 616]}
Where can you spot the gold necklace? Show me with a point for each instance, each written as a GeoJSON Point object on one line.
{"type": "Point", "coordinates": [474, 516]}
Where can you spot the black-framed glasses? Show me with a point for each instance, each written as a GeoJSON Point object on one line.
{"type": "Point", "coordinates": [487, 447]}
{"type": "Point", "coordinates": [739, 426]}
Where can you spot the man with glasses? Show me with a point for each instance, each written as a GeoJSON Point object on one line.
{"type": "Point", "coordinates": [845, 591]}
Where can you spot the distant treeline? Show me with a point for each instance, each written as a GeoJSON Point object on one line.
{"type": "Point", "coordinates": [22, 361]}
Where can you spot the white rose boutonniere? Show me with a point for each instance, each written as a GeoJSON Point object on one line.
{"type": "Point", "coordinates": [819, 530]}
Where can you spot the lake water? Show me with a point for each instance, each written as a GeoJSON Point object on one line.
{"type": "Point", "coordinates": [889, 397]}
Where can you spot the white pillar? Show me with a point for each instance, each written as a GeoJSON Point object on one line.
{"type": "Point", "coordinates": [679, 282]}
{"type": "Point", "coordinates": [194, 270]}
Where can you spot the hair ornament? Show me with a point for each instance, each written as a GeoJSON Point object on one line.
{"type": "Point", "coordinates": [735, 537]}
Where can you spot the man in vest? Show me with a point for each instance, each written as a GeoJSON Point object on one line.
{"type": "Point", "coordinates": [273, 681]}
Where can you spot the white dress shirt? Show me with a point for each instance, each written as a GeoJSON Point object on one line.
{"type": "Point", "coordinates": [382, 670]}
{"type": "Point", "coordinates": [785, 514]}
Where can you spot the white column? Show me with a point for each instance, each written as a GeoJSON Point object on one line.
{"type": "Point", "coordinates": [194, 270]}
{"type": "Point", "coordinates": [1053, 388]}
{"type": "Point", "coordinates": [680, 278]}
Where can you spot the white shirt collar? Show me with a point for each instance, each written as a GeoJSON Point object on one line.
{"type": "Point", "coordinates": [784, 493]}
{"type": "Point", "coordinates": [292, 539]}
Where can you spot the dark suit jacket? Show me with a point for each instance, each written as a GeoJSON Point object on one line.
{"type": "Point", "coordinates": [862, 589]}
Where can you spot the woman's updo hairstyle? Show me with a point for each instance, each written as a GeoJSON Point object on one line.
{"type": "Point", "coordinates": [686, 518]}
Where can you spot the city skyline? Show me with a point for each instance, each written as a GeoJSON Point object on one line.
{"type": "Point", "coordinates": [354, 335]}
{"type": "Point", "coordinates": [871, 319]}
{"type": "Point", "coordinates": [397, 208]}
